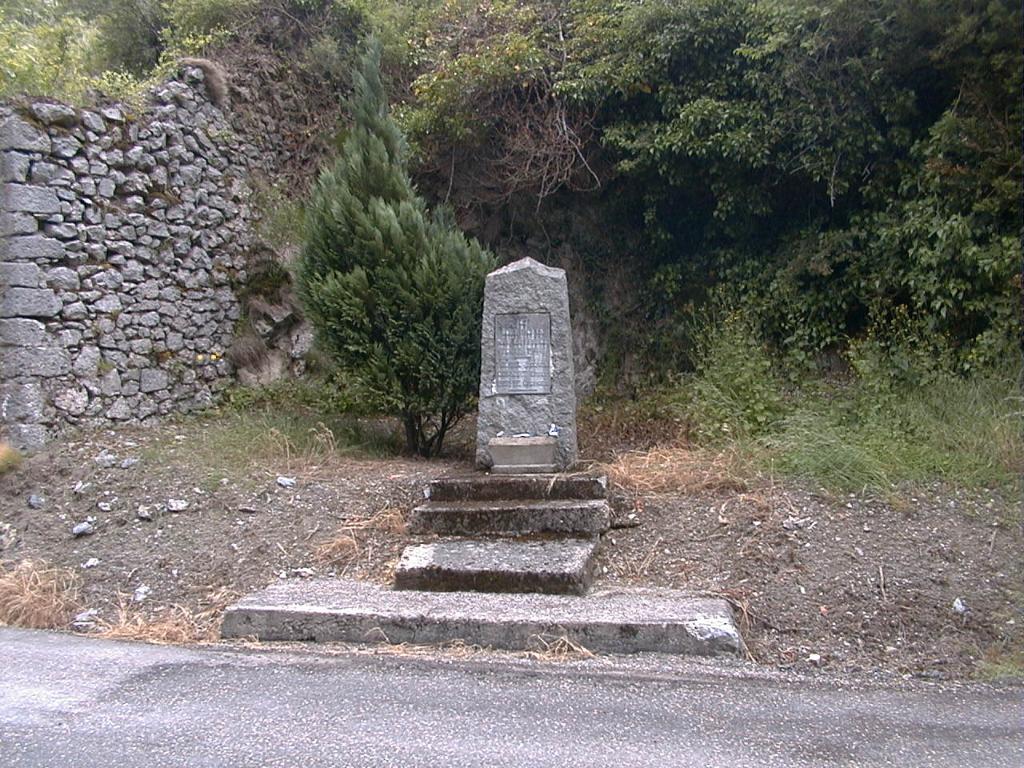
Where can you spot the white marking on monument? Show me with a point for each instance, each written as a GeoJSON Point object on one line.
{"type": "Point", "coordinates": [522, 344]}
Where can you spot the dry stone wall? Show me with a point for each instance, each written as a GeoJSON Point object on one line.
{"type": "Point", "coordinates": [123, 239]}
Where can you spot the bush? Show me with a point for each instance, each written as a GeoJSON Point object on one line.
{"type": "Point", "coordinates": [394, 291]}
{"type": "Point", "coordinates": [735, 393]}
{"type": "Point", "coordinates": [129, 36]}
{"type": "Point", "coordinates": [191, 24]}
{"type": "Point", "coordinates": [44, 57]}
{"type": "Point", "coordinates": [825, 160]}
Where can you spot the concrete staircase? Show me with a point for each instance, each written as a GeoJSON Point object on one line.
{"type": "Point", "coordinates": [529, 533]}
{"type": "Point", "coordinates": [510, 565]}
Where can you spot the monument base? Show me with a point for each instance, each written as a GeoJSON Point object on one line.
{"type": "Point", "coordinates": [522, 455]}
{"type": "Point", "coordinates": [617, 620]}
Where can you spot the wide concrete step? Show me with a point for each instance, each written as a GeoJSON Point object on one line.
{"type": "Point", "coordinates": [479, 487]}
{"type": "Point", "coordinates": [555, 566]}
{"type": "Point", "coordinates": [609, 621]}
{"type": "Point", "coordinates": [590, 517]}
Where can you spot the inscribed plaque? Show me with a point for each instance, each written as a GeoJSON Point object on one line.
{"type": "Point", "coordinates": [522, 345]}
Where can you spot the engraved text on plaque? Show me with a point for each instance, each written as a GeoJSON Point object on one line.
{"type": "Point", "coordinates": [522, 345]}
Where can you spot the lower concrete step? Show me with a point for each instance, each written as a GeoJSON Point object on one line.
{"type": "Point", "coordinates": [554, 567]}
{"type": "Point", "coordinates": [608, 621]}
{"type": "Point", "coordinates": [481, 487]}
{"type": "Point", "coordinates": [590, 517]}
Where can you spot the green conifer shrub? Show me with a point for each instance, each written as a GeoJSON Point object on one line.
{"type": "Point", "coordinates": [394, 290]}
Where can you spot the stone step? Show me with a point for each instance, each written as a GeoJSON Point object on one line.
{"type": "Point", "coordinates": [480, 487]}
{"type": "Point", "coordinates": [511, 518]}
{"type": "Point", "coordinates": [552, 566]}
{"type": "Point", "coordinates": [608, 621]}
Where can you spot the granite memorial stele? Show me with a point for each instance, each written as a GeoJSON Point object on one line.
{"type": "Point", "coordinates": [527, 413]}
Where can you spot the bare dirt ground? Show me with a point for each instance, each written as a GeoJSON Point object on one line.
{"type": "Point", "coordinates": [930, 588]}
{"type": "Point", "coordinates": [925, 582]}
{"type": "Point", "coordinates": [183, 518]}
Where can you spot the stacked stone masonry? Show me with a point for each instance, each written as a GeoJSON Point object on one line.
{"type": "Point", "coordinates": [121, 240]}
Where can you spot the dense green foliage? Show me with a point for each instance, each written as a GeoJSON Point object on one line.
{"type": "Point", "coordinates": [76, 49]}
{"type": "Point", "coordinates": [394, 291]}
{"type": "Point", "coordinates": [823, 163]}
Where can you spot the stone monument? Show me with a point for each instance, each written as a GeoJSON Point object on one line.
{"type": "Point", "coordinates": [515, 532]}
{"type": "Point", "coordinates": [527, 416]}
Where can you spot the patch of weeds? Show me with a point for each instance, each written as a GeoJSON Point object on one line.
{"type": "Point", "coordinates": [315, 397]}
{"type": "Point", "coordinates": [735, 393]}
{"type": "Point", "coordinates": [344, 545]}
{"type": "Point", "coordinates": [1001, 665]}
{"type": "Point", "coordinates": [610, 424]}
{"type": "Point", "coordinates": [171, 199]}
{"type": "Point", "coordinates": [35, 595]}
{"type": "Point", "coordinates": [546, 647]}
{"type": "Point", "coordinates": [670, 469]}
{"type": "Point", "coordinates": [172, 624]}
{"type": "Point", "coordinates": [290, 426]}
{"type": "Point", "coordinates": [458, 649]}
{"type": "Point", "coordinates": [282, 216]}
{"type": "Point", "coordinates": [339, 550]}
{"type": "Point", "coordinates": [248, 349]}
{"type": "Point", "coordinates": [10, 459]}
{"type": "Point", "coordinates": [901, 414]}
{"type": "Point", "coordinates": [267, 279]}
{"type": "Point", "coordinates": [965, 430]}
{"type": "Point", "coordinates": [1004, 658]}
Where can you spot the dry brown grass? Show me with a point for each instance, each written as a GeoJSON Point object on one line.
{"type": "Point", "coordinates": [169, 625]}
{"type": "Point", "coordinates": [340, 549]}
{"type": "Point", "coordinates": [457, 649]}
{"type": "Point", "coordinates": [37, 596]}
{"type": "Point", "coordinates": [345, 544]}
{"type": "Point", "coordinates": [8, 534]}
{"type": "Point", "coordinates": [545, 648]}
{"type": "Point", "coordinates": [675, 469]}
{"type": "Point", "coordinates": [561, 648]}
{"type": "Point", "coordinates": [10, 459]}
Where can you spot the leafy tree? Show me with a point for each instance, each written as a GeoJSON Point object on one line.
{"type": "Point", "coordinates": [394, 290]}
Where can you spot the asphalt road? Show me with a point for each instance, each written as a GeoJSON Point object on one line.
{"type": "Point", "coordinates": [67, 701]}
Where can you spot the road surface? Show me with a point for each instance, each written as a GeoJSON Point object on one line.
{"type": "Point", "coordinates": [71, 701]}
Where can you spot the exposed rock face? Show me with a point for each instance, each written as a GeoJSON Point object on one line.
{"type": "Point", "coordinates": [122, 242]}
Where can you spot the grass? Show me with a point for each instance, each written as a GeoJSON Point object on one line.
{"type": "Point", "coordinates": [965, 431]}
{"type": "Point", "coordinates": [35, 595]}
{"type": "Point", "coordinates": [282, 216]}
{"type": "Point", "coordinates": [895, 412]}
{"type": "Point", "coordinates": [841, 436]}
{"type": "Point", "coordinates": [556, 648]}
{"type": "Point", "coordinates": [1000, 667]}
{"type": "Point", "coordinates": [609, 425]}
{"type": "Point", "coordinates": [546, 648]}
{"type": "Point", "coordinates": [287, 435]}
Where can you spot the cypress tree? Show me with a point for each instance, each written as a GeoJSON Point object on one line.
{"type": "Point", "coordinates": [393, 290]}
